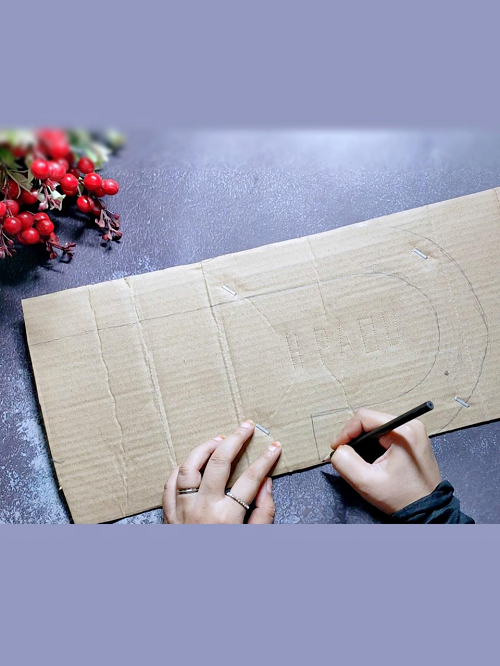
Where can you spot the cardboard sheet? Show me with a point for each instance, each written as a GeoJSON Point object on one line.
{"type": "Point", "coordinates": [132, 374]}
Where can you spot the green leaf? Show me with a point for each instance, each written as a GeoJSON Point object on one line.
{"type": "Point", "coordinates": [18, 137]}
{"type": "Point", "coordinates": [57, 196]}
{"type": "Point", "coordinates": [7, 158]}
{"type": "Point", "coordinates": [83, 144]}
{"type": "Point", "coordinates": [21, 180]}
{"type": "Point", "coordinates": [114, 138]}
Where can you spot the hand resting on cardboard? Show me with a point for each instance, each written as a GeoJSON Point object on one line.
{"type": "Point", "coordinates": [405, 473]}
{"type": "Point", "coordinates": [206, 499]}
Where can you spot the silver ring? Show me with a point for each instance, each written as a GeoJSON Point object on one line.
{"type": "Point", "coordinates": [237, 499]}
{"type": "Point", "coordinates": [187, 491]}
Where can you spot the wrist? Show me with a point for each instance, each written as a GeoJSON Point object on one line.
{"type": "Point", "coordinates": [439, 506]}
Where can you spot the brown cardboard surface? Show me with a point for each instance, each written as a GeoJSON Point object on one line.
{"type": "Point", "coordinates": [133, 373]}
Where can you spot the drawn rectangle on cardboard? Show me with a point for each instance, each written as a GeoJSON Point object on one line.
{"type": "Point", "coordinates": [132, 374]}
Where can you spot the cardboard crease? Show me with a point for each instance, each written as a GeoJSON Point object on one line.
{"type": "Point", "coordinates": [157, 395]}
{"type": "Point", "coordinates": [226, 357]}
{"type": "Point", "coordinates": [121, 448]}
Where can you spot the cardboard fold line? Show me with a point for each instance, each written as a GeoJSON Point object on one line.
{"type": "Point", "coordinates": [150, 363]}
{"type": "Point", "coordinates": [122, 453]}
{"type": "Point", "coordinates": [226, 357]}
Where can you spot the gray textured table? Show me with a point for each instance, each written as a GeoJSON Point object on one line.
{"type": "Point", "coordinates": [193, 195]}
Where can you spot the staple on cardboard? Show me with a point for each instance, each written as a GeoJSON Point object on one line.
{"type": "Point", "coordinates": [462, 402]}
{"type": "Point", "coordinates": [420, 254]}
{"type": "Point", "coordinates": [230, 291]}
{"type": "Point", "coordinates": [264, 430]}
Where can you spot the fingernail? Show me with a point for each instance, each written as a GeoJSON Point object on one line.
{"type": "Point", "coordinates": [219, 438]}
{"type": "Point", "coordinates": [274, 447]}
{"type": "Point", "coordinates": [269, 485]}
{"type": "Point", "coordinates": [247, 424]}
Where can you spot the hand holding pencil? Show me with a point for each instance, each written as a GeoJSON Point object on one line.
{"type": "Point", "coordinates": [406, 472]}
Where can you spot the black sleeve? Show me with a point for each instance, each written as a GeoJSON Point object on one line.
{"type": "Point", "coordinates": [441, 506]}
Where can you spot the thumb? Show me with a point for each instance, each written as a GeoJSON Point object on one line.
{"type": "Point", "coordinates": [351, 467]}
{"type": "Point", "coordinates": [264, 511]}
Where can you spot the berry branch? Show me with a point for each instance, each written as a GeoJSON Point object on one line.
{"type": "Point", "coordinates": [46, 170]}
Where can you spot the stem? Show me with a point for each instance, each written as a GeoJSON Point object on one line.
{"type": "Point", "coordinates": [108, 222]}
{"type": "Point", "coordinates": [6, 244]}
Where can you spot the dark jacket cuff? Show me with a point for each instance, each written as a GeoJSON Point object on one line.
{"type": "Point", "coordinates": [441, 506]}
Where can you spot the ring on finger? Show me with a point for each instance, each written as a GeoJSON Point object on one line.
{"type": "Point", "coordinates": [187, 491]}
{"type": "Point", "coordinates": [237, 499]}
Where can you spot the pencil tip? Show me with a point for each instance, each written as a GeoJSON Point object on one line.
{"type": "Point", "coordinates": [328, 457]}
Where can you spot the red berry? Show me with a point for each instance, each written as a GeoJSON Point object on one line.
{"type": "Point", "coordinates": [40, 149]}
{"type": "Point", "coordinates": [27, 219]}
{"type": "Point", "coordinates": [19, 151]}
{"type": "Point", "coordinates": [58, 148]}
{"type": "Point", "coordinates": [99, 192]}
{"type": "Point", "coordinates": [49, 135]}
{"type": "Point", "coordinates": [28, 198]}
{"type": "Point", "coordinates": [41, 216]}
{"type": "Point", "coordinates": [110, 186]}
{"type": "Point", "coordinates": [92, 181]}
{"type": "Point", "coordinates": [45, 227]}
{"type": "Point", "coordinates": [40, 169]}
{"type": "Point", "coordinates": [74, 171]}
{"type": "Point", "coordinates": [20, 239]}
{"type": "Point", "coordinates": [56, 171]}
{"type": "Point", "coordinates": [11, 206]}
{"type": "Point", "coordinates": [85, 165]}
{"type": "Point", "coordinates": [85, 204]}
{"type": "Point", "coordinates": [3, 209]}
{"type": "Point", "coordinates": [12, 191]}
{"type": "Point", "coordinates": [30, 236]}
{"type": "Point", "coordinates": [64, 162]}
{"type": "Point", "coordinates": [96, 209]}
{"type": "Point", "coordinates": [70, 182]}
{"type": "Point", "coordinates": [12, 225]}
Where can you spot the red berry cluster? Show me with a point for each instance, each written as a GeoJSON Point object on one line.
{"type": "Point", "coordinates": [28, 228]}
{"type": "Point", "coordinates": [56, 172]}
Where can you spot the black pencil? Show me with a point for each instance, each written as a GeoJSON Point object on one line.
{"type": "Point", "coordinates": [365, 444]}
